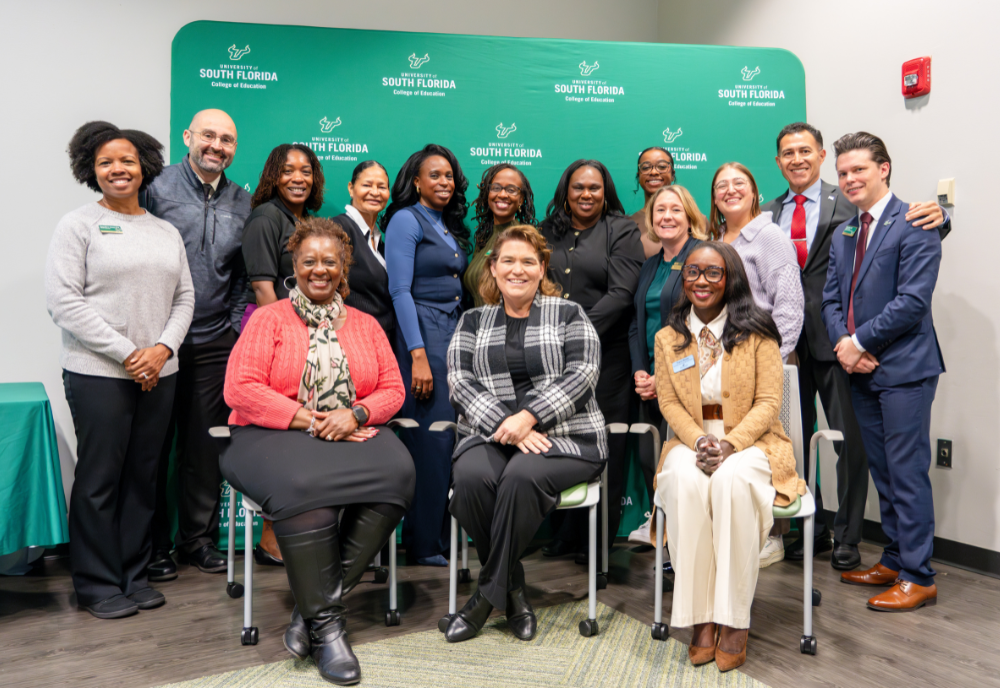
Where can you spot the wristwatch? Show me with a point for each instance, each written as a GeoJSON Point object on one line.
{"type": "Point", "coordinates": [360, 415]}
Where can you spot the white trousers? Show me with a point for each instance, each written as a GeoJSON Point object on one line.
{"type": "Point", "coordinates": [716, 528]}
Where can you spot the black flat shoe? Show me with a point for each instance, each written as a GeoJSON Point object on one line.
{"type": "Point", "coordinates": [796, 551]}
{"type": "Point", "coordinates": [845, 557]}
{"type": "Point", "coordinates": [116, 607]}
{"type": "Point", "coordinates": [161, 567]}
{"type": "Point", "coordinates": [520, 616]}
{"type": "Point", "coordinates": [147, 598]}
{"type": "Point", "coordinates": [469, 620]}
{"type": "Point", "coordinates": [559, 548]}
{"type": "Point", "coordinates": [265, 558]}
{"type": "Point", "coordinates": [207, 559]}
{"type": "Point", "coordinates": [296, 638]}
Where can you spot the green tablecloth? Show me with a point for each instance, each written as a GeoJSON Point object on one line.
{"type": "Point", "coordinates": [32, 503]}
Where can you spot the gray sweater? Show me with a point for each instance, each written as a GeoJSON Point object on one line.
{"type": "Point", "coordinates": [116, 283]}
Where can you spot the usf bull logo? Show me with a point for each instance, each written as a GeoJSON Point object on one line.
{"type": "Point", "coordinates": [417, 62]}
{"type": "Point", "coordinates": [236, 53]}
{"type": "Point", "coordinates": [587, 70]}
{"type": "Point", "coordinates": [327, 126]}
{"type": "Point", "coordinates": [503, 132]}
{"type": "Point", "coordinates": [671, 136]}
{"type": "Point", "coordinates": [748, 75]}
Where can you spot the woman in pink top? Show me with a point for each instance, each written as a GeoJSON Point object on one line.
{"type": "Point", "coordinates": [309, 381]}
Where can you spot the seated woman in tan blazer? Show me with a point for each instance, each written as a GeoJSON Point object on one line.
{"type": "Point", "coordinates": [720, 392]}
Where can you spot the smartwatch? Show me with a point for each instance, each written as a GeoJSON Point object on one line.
{"type": "Point", "coordinates": [360, 415]}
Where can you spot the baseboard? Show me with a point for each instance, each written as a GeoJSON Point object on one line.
{"type": "Point", "coordinates": [958, 554]}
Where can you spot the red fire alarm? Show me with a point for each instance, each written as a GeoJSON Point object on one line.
{"type": "Point", "coordinates": [917, 77]}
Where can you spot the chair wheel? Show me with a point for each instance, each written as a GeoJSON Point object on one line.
{"type": "Point", "coordinates": [602, 581]}
{"type": "Point", "coordinates": [660, 631]}
{"type": "Point", "coordinates": [444, 621]}
{"type": "Point", "coordinates": [807, 645]}
{"type": "Point", "coordinates": [817, 597]}
{"type": "Point", "coordinates": [234, 590]}
{"type": "Point", "coordinates": [464, 576]}
{"type": "Point", "coordinates": [588, 627]}
{"type": "Point", "coordinates": [381, 575]}
{"type": "Point", "coordinates": [249, 636]}
{"type": "Point", "coordinates": [392, 618]}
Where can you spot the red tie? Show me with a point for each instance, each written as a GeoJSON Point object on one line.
{"type": "Point", "coordinates": [799, 230]}
{"type": "Point", "coordinates": [859, 256]}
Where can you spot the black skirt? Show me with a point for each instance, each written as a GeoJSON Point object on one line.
{"type": "Point", "coordinates": [287, 472]}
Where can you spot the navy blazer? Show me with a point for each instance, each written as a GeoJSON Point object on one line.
{"type": "Point", "coordinates": [638, 351]}
{"type": "Point", "coordinates": [892, 297]}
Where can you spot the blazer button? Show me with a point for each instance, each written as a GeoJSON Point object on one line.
{"type": "Point", "coordinates": [725, 395]}
{"type": "Point", "coordinates": [727, 428]}
{"type": "Point", "coordinates": [457, 298]}
{"type": "Point", "coordinates": [726, 357]}
{"type": "Point", "coordinates": [456, 255]}
{"type": "Point", "coordinates": [566, 271]}
{"type": "Point", "coordinates": [566, 295]}
{"type": "Point", "coordinates": [570, 248]}
{"type": "Point", "coordinates": [455, 275]}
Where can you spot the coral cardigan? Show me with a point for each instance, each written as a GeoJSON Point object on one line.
{"type": "Point", "coordinates": [265, 368]}
{"type": "Point", "coordinates": [752, 387]}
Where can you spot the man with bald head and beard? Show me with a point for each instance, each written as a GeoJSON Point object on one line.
{"type": "Point", "coordinates": [209, 211]}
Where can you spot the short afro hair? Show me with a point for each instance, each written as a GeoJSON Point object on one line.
{"type": "Point", "coordinates": [325, 227]}
{"type": "Point", "coordinates": [89, 138]}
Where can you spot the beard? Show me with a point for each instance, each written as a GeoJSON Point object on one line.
{"type": "Point", "coordinates": [211, 168]}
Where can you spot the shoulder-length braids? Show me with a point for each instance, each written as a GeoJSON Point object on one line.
{"type": "Point", "coordinates": [744, 316]}
{"type": "Point", "coordinates": [525, 215]}
{"type": "Point", "coordinates": [716, 220]}
{"type": "Point", "coordinates": [404, 193]}
{"type": "Point", "coordinates": [557, 217]}
{"type": "Point", "coordinates": [488, 288]}
{"type": "Point", "coordinates": [696, 221]}
{"type": "Point", "coordinates": [267, 187]}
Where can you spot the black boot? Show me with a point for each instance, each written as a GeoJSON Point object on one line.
{"type": "Point", "coordinates": [297, 636]}
{"type": "Point", "coordinates": [363, 533]}
{"type": "Point", "coordinates": [312, 562]}
{"type": "Point", "coordinates": [469, 620]}
{"type": "Point", "coordinates": [520, 616]}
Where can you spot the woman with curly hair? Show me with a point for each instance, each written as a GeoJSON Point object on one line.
{"type": "Point", "coordinates": [426, 247]}
{"type": "Point", "coordinates": [117, 283]}
{"type": "Point", "coordinates": [505, 199]}
{"type": "Point", "coordinates": [654, 171]}
{"type": "Point", "coordinates": [310, 381]}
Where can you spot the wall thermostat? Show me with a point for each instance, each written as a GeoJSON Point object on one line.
{"type": "Point", "coordinates": [917, 77]}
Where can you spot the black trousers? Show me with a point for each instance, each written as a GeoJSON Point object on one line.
{"type": "Point", "coordinates": [198, 405]}
{"type": "Point", "coordinates": [501, 497]}
{"type": "Point", "coordinates": [831, 382]}
{"type": "Point", "coordinates": [119, 432]}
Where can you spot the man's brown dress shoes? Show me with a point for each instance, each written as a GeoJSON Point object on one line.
{"type": "Point", "coordinates": [904, 596]}
{"type": "Point", "coordinates": [876, 575]}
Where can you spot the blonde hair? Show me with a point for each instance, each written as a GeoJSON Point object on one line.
{"type": "Point", "coordinates": [696, 221]}
{"type": "Point", "coordinates": [488, 288]}
{"type": "Point", "coordinates": [716, 222]}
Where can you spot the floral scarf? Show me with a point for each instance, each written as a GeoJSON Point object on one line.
{"type": "Point", "coordinates": [326, 379]}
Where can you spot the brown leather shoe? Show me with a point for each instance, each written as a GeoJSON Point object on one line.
{"type": "Point", "coordinates": [703, 655]}
{"type": "Point", "coordinates": [726, 661]}
{"type": "Point", "coordinates": [904, 596]}
{"type": "Point", "coordinates": [876, 575]}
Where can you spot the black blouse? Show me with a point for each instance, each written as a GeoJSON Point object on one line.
{"type": "Point", "coordinates": [368, 279]}
{"type": "Point", "coordinates": [516, 364]}
{"type": "Point", "coordinates": [265, 240]}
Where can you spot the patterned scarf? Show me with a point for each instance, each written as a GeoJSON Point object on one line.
{"type": "Point", "coordinates": [326, 379]}
{"type": "Point", "coordinates": [709, 350]}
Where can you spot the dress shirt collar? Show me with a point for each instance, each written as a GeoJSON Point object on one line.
{"type": "Point", "coordinates": [715, 327]}
{"type": "Point", "coordinates": [811, 194]}
{"type": "Point", "coordinates": [361, 222]}
{"type": "Point", "coordinates": [876, 211]}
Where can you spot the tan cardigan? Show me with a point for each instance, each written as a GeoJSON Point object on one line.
{"type": "Point", "coordinates": [752, 386]}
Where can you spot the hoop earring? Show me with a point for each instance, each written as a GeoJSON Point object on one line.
{"type": "Point", "coordinates": [566, 207]}
{"type": "Point", "coordinates": [605, 206]}
{"type": "Point", "coordinates": [285, 282]}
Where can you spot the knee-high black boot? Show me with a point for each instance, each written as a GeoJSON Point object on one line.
{"type": "Point", "coordinates": [312, 562]}
{"type": "Point", "coordinates": [363, 532]}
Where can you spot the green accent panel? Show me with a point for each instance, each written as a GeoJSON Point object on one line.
{"type": "Point", "coordinates": [788, 511]}
{"type": "Point", "coordinates": [573, 496]}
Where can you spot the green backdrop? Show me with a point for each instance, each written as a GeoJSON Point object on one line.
{"type": "Point", "coordinates": [354, 95]}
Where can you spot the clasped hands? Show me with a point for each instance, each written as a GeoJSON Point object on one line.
{"type": "Point", "coordinates": [851, 359]}
{"type": "Point", "coordinates": [645, 385]}
{"type": "Point", "coordinates": [518, 429]}
{"type": "Point", "coordinates": [710, 452]}
{"type": "Point", "coordinates": [144, 365]}
{"type": "Point", "coordinates": [333, 426]}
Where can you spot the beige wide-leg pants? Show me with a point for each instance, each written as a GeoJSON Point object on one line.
{"type": "Point", "coordinates": [716, 527]}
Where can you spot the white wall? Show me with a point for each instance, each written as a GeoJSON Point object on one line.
{"type": "Point", "coordinates": [71, 61]}
{"type": "Point", "coordinates": [852, 52]}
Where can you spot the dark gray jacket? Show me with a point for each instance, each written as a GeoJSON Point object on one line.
{"type": "Point", "coordinates": [212, 231]}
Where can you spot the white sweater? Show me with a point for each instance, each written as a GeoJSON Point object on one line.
{"type": "Point", "coordinates": [116, 283]}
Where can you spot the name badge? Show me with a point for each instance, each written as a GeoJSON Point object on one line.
{"type": "Point", "coordinates": [676, 266]}
{"type": "Point", "coordinates": [684, 364]}
{"type": "Point", "coordinates": [850, 231]}
{"type": "Point", "coordinates": [110, 229]}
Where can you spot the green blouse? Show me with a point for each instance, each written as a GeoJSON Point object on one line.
{"type": "Point", "coordinates": [653, 319]}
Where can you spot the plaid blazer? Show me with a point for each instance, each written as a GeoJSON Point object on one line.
{"type": "Point", "coordinates": [563, 357]}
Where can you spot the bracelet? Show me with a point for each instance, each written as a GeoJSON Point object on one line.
{"type": "Point", "coordinates": [311, 430]}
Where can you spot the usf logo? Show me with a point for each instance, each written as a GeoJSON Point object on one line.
{"type": "Point", "coordinates": [587, 70]}
{"type": "Point", "coordinates": [671, 136]}
{"type": "Point", "coordinates": [327, 126]}
{"type": "Point", "coordinates": [503, 132]}
{"type": "Point", "coordinates": [418, 62]}
{"type": "Point", "coordinates": [236, 53]}
{"type": "Point", "coordinates": [749, 75]}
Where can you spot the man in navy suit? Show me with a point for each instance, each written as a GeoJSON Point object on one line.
{"type": "Point", "coordinates": [877, 311]}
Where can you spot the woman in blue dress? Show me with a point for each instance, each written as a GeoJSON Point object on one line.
{"type": "Point", "coordinates": [426, 247]}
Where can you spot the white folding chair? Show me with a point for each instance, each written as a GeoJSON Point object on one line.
{"type": "Point", "coordinates": [583, 495]}
{"type": "Point", "coordinates": [250, 634]}
{"type": "Point", "coordinates": [803, 507]}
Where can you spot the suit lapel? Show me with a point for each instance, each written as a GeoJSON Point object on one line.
{"type": "Point", "coordinates": [847, 266]}
{"type": "Point", "coordinates": [880, 229]}
{"type": "Point", "coordinates": [824, 226]}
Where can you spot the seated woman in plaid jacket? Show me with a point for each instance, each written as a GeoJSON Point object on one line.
{"type": "Point", "coordinates": [522, 371]}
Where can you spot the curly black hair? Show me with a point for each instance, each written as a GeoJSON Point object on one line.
{"type": "Point", "coordinates": [89, 138]}
{"type": "Point", "coordinates": [525, 215]}
{"type": "Point", "coordinates": [557, 218]}
{"type": "Point", "coordinates": [404, 193]}
{"type": "Point", "coordinates": [267, 187]}
{"type": "Point", "coordinates": [670, 156]}
{"type": "Point", "coordinates": [744, 316]}
{"type": "Point", "coordinates": [324, 226]}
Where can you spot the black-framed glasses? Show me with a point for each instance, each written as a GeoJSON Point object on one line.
{"type": "Point", "coordinates": [661, 167]}
{"type": "Point", "coordinates": [209, 137]}
{"type": "Point", "coordinates": [511, 190]}
{"type": "Point", "coordinates": [713, 273]}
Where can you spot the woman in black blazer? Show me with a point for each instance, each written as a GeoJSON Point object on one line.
{"type": "Point", "coordinates": [369, 190]}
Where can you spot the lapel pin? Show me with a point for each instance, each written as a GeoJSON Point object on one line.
{"type": "Point", "coordinates": [850, 231]}
{"type": "Point", "coordinates": [888, 222]}
{"type": "Point", "coordinates": [829, 198]}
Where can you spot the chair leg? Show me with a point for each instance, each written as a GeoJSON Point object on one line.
{"type": "Point", "coordinates": [807, 644]}
{"type": "Point", "coordinates": [659, 630]}
{"type": "Point", "coordinates": [588, 627]}
{"type": "Point", "coordinates": [392, 616]}
{"type": "Point", "coordinates": [464, 575]}
{"type": "Point", "coordinates": [606, 536]}
{"type": "Point", "coordinates": [452, 579]}
{"type": "Point", "coordinates": [249, 635]}
{"type": "Point", "coordinates": [233, 589]}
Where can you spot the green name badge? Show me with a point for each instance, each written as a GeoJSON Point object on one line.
{"type": "Point", "coordinates": [110, 229]}
{"type": "Point", "coordinates": [850, 231]}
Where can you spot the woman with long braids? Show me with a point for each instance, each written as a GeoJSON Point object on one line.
{"type": "Point", "coordinates": [505, 199]}
{"type": "Point", "coordinates": [654, 170]}
{"type": "Point", "coordinates": [426, 247]}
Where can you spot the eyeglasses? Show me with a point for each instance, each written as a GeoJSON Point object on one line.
{"type": "Point", "coordinates": [713, 273]}
{"type": "Point", "coordinates": [661, 167]}
{"type": "Point", "coordinates": [739, 184]}
{"type": "Point", "coordinates": [208, 136]}
{"type": "Point", "coordinates": [511, 190]}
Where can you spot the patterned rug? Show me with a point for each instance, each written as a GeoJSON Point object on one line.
{"type": "Point", "coordinates": [622, 654]}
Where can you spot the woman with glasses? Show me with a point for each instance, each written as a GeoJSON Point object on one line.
{"type": "Point", "coordinates": [655, 170]}
{"type": "Point", "coordinates": [719, 385]}
{"type": "Point", "coordinates": [505, 199]}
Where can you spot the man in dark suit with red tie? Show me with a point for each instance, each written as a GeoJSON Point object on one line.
{"type": "Point", "coordinates": [877, 311]}
{"type": "Point", "coordinates": [808, 213]}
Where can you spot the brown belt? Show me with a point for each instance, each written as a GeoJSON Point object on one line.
{"type": "Point", "coordinates": [711, 412]}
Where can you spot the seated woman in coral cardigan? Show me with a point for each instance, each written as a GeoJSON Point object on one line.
{"type": "Point", "coordinates": [309, 381]}
{"type": "Point", "coordinates": [719, 384]}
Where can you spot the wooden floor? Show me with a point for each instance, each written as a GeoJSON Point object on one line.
{"type": "Point", "coordinates": [46, 641]}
